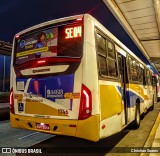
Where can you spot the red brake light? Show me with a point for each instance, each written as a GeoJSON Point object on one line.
{"type": "Point", "coordinates": [17, 36]}
{"type": "Point", "coordinates": [85, 103]}
{"type": "Point", "coordinates": [87, 98]}
{"type": "Point", "coordinates": [36, 86]}
{"type": "Point", "coordinates": [11, 100]}
{"type": "Point", "coordinates": [79, 19]}
{"type": "Point", "coordinates": [41, 61]}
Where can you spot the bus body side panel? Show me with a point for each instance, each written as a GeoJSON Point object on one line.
{"type": "Point", "coordinates": [110, 102]}
{"type": "Point", "coordinates": [90, 77]}
{"type": "Point", "coordinates": [135, 95]}
{"type": "Point", "coordinates": [111, 108]}
{"type": "Point", "coordinates": [89, 128]}
{"type": "Point", "coordinates": [151, 94]}
{"type": "Point", "coordinates": [138, 94]}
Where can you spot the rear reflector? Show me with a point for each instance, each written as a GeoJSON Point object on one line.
{"type": "Point", "coordinates": [17, 36]}
{"type": "Point", "coordinates": [85, 103]}
{"type": "Point", "coordinates": [103, 126]}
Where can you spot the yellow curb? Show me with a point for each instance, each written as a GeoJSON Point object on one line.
{"type": "Point", "coordinates": [151, 136]}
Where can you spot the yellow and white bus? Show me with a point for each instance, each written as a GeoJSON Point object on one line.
{"type": "Point", "coordinates": [71, 76]}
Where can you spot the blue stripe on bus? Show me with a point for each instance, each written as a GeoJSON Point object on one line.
{"type": "Point", "coordinates": [131, 97]}
{"type": "Point", "coordinates": [51, 88]}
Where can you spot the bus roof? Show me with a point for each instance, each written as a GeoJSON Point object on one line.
{"type": "Point", "coordinates": [50, 22]}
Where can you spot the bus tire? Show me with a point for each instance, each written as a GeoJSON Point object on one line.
{"type": "Point", "coordinates": [136, 122]}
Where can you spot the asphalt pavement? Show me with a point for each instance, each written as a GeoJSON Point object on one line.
{"type": "Point", "coordinates": [148, 135]}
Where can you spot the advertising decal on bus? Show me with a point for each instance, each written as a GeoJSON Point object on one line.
{"type": "Point", "coordinates": [37, 45]}
{"type": "Point", "coordinates": [57, 89]}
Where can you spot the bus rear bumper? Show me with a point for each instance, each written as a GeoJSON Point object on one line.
{"type": "Point", "coordinates": [86, 129]}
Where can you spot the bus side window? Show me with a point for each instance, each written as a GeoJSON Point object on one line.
{"type": "Point", "coordinates": [145, 77]}
{"type": "Point", "coordinates": [150, 78]}
{"type": "Point", "coordinates": [102, 65]}
{"type": "Point", "coordinates": [101, 48]}
{"type": "Point", "coordinates": [134, 71]}
{"type": "Point", "coordinates": [140, 74]}
{"type": "Point", "coordinates": [130, 68]}
{"type": "Point", "coordinates": [107, 62]}
{"type": "Point", "coordinates": [120, 65]}
{"type": "Point", "coordinates": [111, 52]}
{"type": "Point", "coordinates": [137, 71]}
{"type": "Point", "coordinates": [111, 59]}
{"type": "Point", "coordinates": [112, 68]}
{"type": "Point", "coordinates": [101, 44]}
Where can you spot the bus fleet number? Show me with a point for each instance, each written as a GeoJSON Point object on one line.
{"type": "Point", "coordinates": [62, 111]}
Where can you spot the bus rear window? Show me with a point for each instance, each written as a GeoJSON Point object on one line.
{"type": "Point", "coordinates": [61, 41]}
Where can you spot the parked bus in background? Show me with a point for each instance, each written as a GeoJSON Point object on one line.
{"type": "Point", "coordinates": [71, 76]}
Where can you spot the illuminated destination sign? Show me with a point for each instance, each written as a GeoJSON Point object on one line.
{"type": "Point", "coordinates": [73, 32]}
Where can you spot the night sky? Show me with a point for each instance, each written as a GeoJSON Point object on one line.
{"type": "Point", "coordinates": [17, 15]}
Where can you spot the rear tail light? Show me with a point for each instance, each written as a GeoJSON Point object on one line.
{"type": "Point", "coordinates": [79, 19]}
{"type": "Point", "coordinates": [11, 101]}
{"type": "Point", "coordinates": [36, 86]}
{"type": "Point", "coordinates": [85, 103]}
{"type": "Point", "coordinates": [41, 61]}
{"type": "Point", "coordinates": [17, 36]}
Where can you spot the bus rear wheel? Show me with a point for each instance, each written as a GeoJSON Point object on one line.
{"type": "Point", "coordinates": [136, 122]}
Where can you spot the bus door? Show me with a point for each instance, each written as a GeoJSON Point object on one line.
{"type": "Point", "coordinates": [123, 76]}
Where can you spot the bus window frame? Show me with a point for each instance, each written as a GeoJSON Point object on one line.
{"type": "Point", "coordinates": [100, 75]}
{"type": "Point", "coordinates": [130, 80]}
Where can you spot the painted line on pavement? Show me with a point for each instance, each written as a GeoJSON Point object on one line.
{"type": "Point", "coordinates": [152, 134]}
{"type": "Point", "coordinates": [28, 135]}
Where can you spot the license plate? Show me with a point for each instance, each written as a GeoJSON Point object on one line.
{"type": "Point", "coordinates": [42, 126]}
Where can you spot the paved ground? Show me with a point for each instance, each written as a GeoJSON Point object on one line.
{"type": "Point", "coordinates": [10, 137]}
{"type": "Point", "coordinates": [136, 139]}
{"type": "Point", "coordinates": [116, 145]}
{"type": "Point", "coordinates": [121, 142]}
{"type": "Point", "coordinates": [4, 111]}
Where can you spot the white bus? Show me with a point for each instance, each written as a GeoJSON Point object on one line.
{"type": "Point", "coordinates": [71, 76]}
